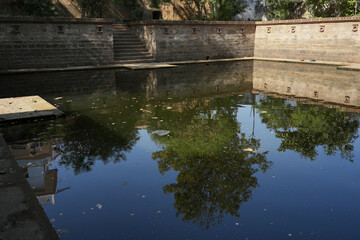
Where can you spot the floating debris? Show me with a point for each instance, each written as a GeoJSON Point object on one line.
{"type": "Point", "coordinates": [83, 212]}
{"type": "Point", "coordinates": [52, 220]}
{"type": "Point", "coordinates": [132, 214]}
{"type": "Point", "coordinates": [168, 108]}
{"type": "Point", "coordinates": [158, 212]}
{"type": "Point", "coordinates": [249, 150]}
{"type": "Point", "coordinates": [99, 206]}
{"type": "Point", "coordinates": [161, 132]}
{"type": "Point", "coordinates": [142, 127]}
{"type": "Point", "coordinates": [58, 98]}
{"type": "Point", "coordinates": [60, 214]}
{"type": "Point", "coordinates": [263, 111]}
{"type": "Point", "coordinates": [113, 124]}
{"type": "Point", "coordinates": [238, 224]}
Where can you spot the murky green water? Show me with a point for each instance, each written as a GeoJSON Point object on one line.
{"type": "Point", "coordinates": [235, 159]}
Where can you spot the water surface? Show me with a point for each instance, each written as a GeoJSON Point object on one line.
{"type": "Point", "coordinates": [241, 156]}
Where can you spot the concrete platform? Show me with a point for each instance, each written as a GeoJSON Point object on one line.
{"type": "Point", "coordinates": [21, 216]}
{"type": "Point", "coordinates": [25, 108]}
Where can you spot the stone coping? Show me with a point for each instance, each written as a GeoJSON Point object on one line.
{"type": "Point", "coordinates": [164, 22]}
{"type": "Point", "coordinates": [310, 21]}
{"type": "Point", "coordinates": [56, 20]}
{"type": "Point", "coordinates": [251, 23]}
{"type": "Point", "coordinates": [206, 23]}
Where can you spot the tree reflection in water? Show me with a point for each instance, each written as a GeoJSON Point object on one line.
{"type": "Point", "coordinates": [206, 147]}
{"type": "Point", "coordinates": [304, 127]}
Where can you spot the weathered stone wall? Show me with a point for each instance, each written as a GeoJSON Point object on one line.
{"type": "Point", "coordinates": [196, 40]}
{"type": "Point", "coordinates": [328, 39]}
{"type": "Point", "coordinates": [27, 42]}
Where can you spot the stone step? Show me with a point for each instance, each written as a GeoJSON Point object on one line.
{"type": "Point", "coordinates": [135, 61]}
{"type": "Point", "coordinates": [133, 57]}
{"type": "Point", "coordinates": [130, 53]}
{"type": "Point", "coordinates": [127, 40]}
{"type": "Point", "coordinates": [129, 48]}
{"type": "Point", "coordinates": [127, 44]}
{"type": "Point", "coordinates": [123, 38]}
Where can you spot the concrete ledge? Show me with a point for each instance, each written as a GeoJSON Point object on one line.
{"type": "Point", "coordinates": [120, 66]}
{"type": "Point", "coordinates": [134, 66]}
{"type": "Point", "coordinates": [310, 21]}
{"type": "Point", "coordinates": [351, 67]}
{"type": "Point", "coordinates": [21, 216]}
{"type": "Point", "coordinates": [56, 20]}
{"type": "Point", "coordinates": [302, 61]}
{"type": "Point", "coordinates": [206, 23]}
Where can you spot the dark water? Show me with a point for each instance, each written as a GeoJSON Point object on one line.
{"type": "Point", "coordinates": [245, 157]}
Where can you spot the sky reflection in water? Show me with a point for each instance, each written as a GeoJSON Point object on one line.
{"type": "Point", "coordinates": [235, 165]}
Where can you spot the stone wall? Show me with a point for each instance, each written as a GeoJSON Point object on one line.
{"type": "Point", "coordinates": [196, 40]}
{"type": "Point", "coordinates": [27, 42]}
{"type": "Point", "coordinates": [327, 39]}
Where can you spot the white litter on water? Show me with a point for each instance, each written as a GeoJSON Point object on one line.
{"type": "Point", "coordinates": [161, 132]}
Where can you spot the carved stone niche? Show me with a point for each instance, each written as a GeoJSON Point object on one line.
{"type": "Point", "coordinates": [218, 30]}
{"type": "Point", "coordinates": [268, 29]}
{"type": "Point", "coordinates": [316, 94]}
{"type": "Point", "coordinates": [15, 29]}
{"type": "Point", "coordinates": [347, 99]}
{"type": "Point", "coordinates": [355, 27]}
{"type": "Point", "coordinates": [60, 29]}
{"type": "Point", "coordinates": [151, 30]}
{"type": "Point", "coordinates": [166, 30]}
{"type": "Point", "coordinates": [288, 89]}
{"type": "Point", "coordinates": [293, 29]}
{"type": "Point", "coordinates": [193, 30]}
{"type": "Point", "coordinates": [322, 28]}
{"type": "Point", "coordinates": [242, 31]}
{"type": "Point", "coordinates": [99, 29]}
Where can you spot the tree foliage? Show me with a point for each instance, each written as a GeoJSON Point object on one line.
{"type": "Point", "coordinates": [331, 8]}
{"type": "Point", "coordinates": [290, 9]}
{"type": "Point", "coordinates": [223, 10]}
{"type": "Point", "coordinates": [41, 8]}
{"type": "Point", "coordinates": [93, 8]}
{"type": "Point", "coordinates": [284, 9]}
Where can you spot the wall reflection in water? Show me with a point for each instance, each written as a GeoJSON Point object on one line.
{"type": "Point", "coordinates": [35, 158]}
{"type": "Point", "coordinates": [324, 85]}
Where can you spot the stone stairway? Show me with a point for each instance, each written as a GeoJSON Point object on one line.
{"type": "Point", "coordinates": [128, 48]}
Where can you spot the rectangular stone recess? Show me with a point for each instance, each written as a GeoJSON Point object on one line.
{"type": "Point", "coordinates": [25, 108]}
